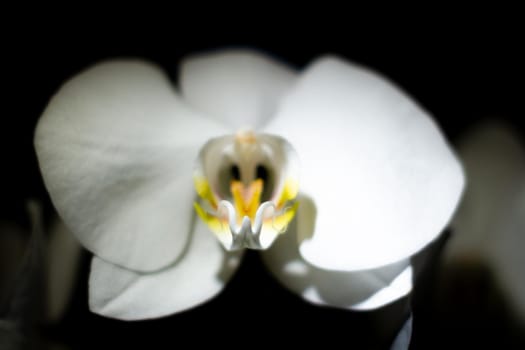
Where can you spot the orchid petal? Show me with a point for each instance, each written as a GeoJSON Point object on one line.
{"type": "Point", "coordinates": [240, 88]}
{"type": "Point", "coordinates": [116, 148]}
{"type": "Point", "coordinates": [383, 179]}
{"type": "Point", "coordinates": [490, 224]}
{"type": "Point", "coordinates": [200, 274]}
{"type": "Point", "coordinates": [356, 290]}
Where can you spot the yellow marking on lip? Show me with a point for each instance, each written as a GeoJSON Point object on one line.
{"type": "Point", "coordinates": [204, 190]}
{"type": "Point", "coordinates": [216, 225]}
{"type": "Point", "coordinates": [280, 222]}
{"type": "Point", "coordinates": [289, 192]}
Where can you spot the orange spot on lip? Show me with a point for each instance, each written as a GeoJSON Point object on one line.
{"type": "Point", "coordinates": [246, 198]}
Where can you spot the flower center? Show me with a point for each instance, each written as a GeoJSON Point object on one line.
{"type": "Point", "coordinates": [247, 186]}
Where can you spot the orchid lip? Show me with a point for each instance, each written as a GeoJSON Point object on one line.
{"type": "Point", "coordinates": [247, 187]}
{"type": "Point", "coordinates": [257, 234]}
{"type": "Point", "coordinates": [247, 234]}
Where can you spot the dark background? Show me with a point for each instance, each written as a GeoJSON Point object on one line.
{"type": "Point", "coordinates": [460, 75]}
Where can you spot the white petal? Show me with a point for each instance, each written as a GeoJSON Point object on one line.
{"type": "Point", "coordinates": [116, 148]}
{"type": "Point", "coordinates": [63, 259]}
{"type": "Point", "coordinates": [356, 290]}
{"type": "Point", "coordinates": [198, 276]}
{"type": "Point", "coordinates": [241, 88]}
{"type": "Point", "coordinates": [490, 224]}
{"type": "Point", "coordinates": [384, 181]}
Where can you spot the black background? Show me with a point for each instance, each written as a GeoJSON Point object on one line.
{"type": "Point", "coordinates": [460, 74]}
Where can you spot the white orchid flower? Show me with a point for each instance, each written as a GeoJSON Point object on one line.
{"type": "Point", "coordinates": [364, 170]}
{"type": "Point", "coordinates": [490, 224]}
